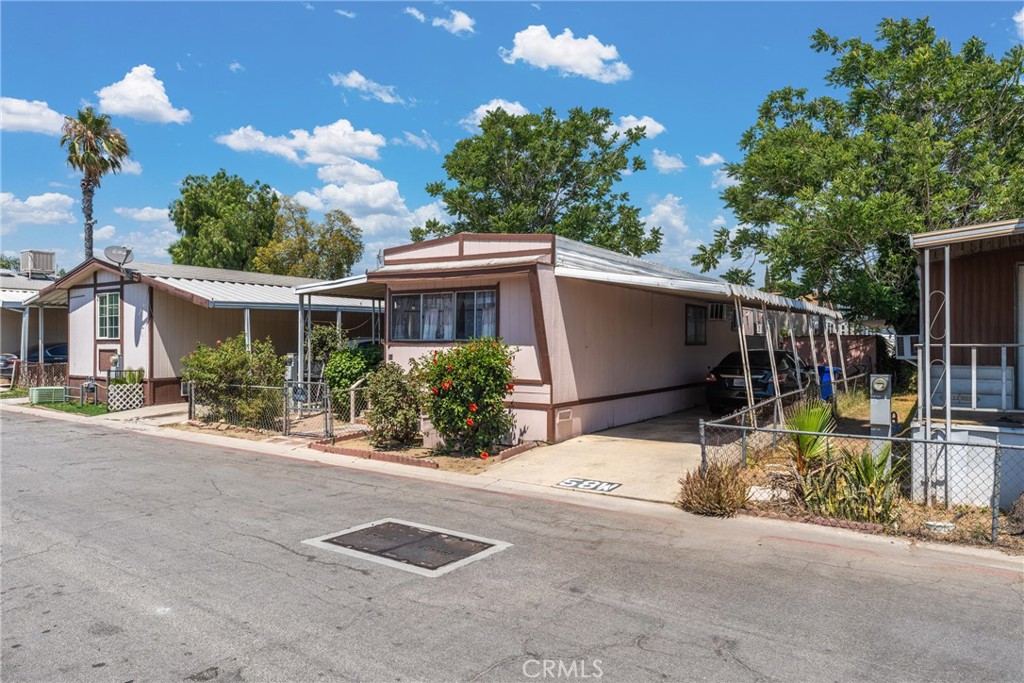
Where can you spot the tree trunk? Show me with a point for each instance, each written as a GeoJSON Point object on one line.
{"type": "Point", "coordinates": [88, 189]}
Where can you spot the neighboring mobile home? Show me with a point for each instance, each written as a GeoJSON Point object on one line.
{"type": "Point", "coordinates": [604, 339]}
{"type": "Point", "coordinates": [150, 315]}
{"type": "Point", "coordinates": [19, 324]}
{"type": "Point", "coordinates": [972, 285]}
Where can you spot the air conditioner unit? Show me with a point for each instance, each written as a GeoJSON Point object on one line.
{"type": "Point", "coordinates": [38, 262]}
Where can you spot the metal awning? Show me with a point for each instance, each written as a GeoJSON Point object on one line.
{"type": "Point", "coordinates": [355, 286]}
{"type": "Point", "coordinates": [968, 233]}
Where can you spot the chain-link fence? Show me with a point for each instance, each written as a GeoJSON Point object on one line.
{"type": "Point", "coordinates": [350, 404]}
{"type": "Point", "coordinates": [298, 408]}
{"type": "Point", "coordinates": [962, 488]}
{"type": "Point", "coordinates": [27, 374]}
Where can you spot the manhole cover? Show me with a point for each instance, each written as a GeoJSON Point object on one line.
{"type": "Point", "coordinates": [425, 550]}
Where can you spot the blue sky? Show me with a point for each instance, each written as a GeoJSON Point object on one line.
{"type": "Point", "coordinates": [353, 105]}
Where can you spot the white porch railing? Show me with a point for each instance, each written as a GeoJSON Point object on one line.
{"type": "Point", "coordinates": [974, 387]}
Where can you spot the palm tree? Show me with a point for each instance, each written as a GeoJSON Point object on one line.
{"type": "Point", "coordinates": [94, 148]}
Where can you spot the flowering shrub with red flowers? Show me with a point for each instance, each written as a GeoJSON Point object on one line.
{"type": "Point", "coordinates": [468, 384]}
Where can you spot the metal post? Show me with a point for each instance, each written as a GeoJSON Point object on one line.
{"type": "Point", "coordinates": [926, 369]}
{"type": "Point", "coordinates": [770, 343]}
{"type": "Point", "coordinates": [25, 313]}
{"type": "Point", "coordinates": [248, 330]}
{"type": "Point", "coordinates": [947, 355]}
{"type": "Point", "coordinates": [974, 378]}
{"type": "Point", "coordinates": [309, 341]}
{"type": "Point", "coordinates": [745, 361]}
{"type": "Point", "coordinates": [352, 406]}
{"type": "Point", "coordinates": [997, 465]}
{"type": "Point", "coordinates": [42, 346]}
{"type": "Point", "coordinates": [1002, 376]}
{"type": "Point", "coordinates": [191, 400]}
{"type": "Point", "coordinates": [337, 322]}
{"type": "Point", "coordinates": [842, 358]}
{"type": "Point", "coordinates": [703, 448]}
{"type": "Point", "coordinates": [814, 350]}
{"type": "Point", "coordinates": [284, 421]}
{"type": "Point", "coordinates": [300, 359]}
{"type": "Point", "coordinates": [743, 445]}
{"type": "Point", "coordinates": [792, 341]}
{"type": "Point", "coordinates": [828, 358]}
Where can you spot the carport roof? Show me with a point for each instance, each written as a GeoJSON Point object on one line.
{"type": "Point", "coordinates": [207, 287]}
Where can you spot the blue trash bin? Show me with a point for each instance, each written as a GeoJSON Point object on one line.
{"type": "Point", "coordinates": [826, 374]}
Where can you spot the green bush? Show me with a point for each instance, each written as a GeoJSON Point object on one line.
{"type": "Point", "coordinates": [394, 413]}
{"type": "Point", "coordinates": [324, 341]}
{"type": "Point", "coordinates": [129, 377]}
{"type": "Point", "coordinates": [809, 450]}
{"type": "Point", "coordinates": [717, 492]}
{"type": "Point", "coordinates": [467, 387]}
{"type": "Point", "coordinates": [859, 486]}
{"type": "Point", "coordinates": [226, 377]}
{"type": "Point", "coordinates": [347, 366]}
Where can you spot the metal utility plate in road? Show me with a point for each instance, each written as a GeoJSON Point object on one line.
{"type": "Point", "coordinates": [425, 550]}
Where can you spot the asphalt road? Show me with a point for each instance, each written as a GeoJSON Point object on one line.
{"type": "Point", "coordinates": [135, 558]}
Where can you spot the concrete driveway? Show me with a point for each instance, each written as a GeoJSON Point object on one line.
{"type": "Point", "coordinates": [646, 458]}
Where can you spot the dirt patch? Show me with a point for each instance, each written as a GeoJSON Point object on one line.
{"type": "Point", "coordinates": [246, 433]}
{"type": "Point", "coordinates": [451, 463]}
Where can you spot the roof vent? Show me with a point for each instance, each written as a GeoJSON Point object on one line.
{"type": "Point", "coordinates": [35, 262]}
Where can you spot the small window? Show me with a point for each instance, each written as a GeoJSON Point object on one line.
{"type": "Point", "coordinates": [717, 311]}
{"type": "Point", "coordinates": [108, 315]}
{"type": "Point", "coordinates": [696, 325]}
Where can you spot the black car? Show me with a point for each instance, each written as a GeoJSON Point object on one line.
{"type": "Point", "coordinates": [7, 361]}
{"type": "Point", "coordinates": [52, 353]}
{"type": "Point", "coordinates": [725, 387]}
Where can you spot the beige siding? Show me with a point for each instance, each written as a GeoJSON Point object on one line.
{"type": "Point", "coordinates": [426, 251]}
{"type": "Point", "coordinates": [135, 327]}
{"type": "Point", "coordinates": [506, 247]}
{"type": "Point", "coordinates": [55, 332]}
{"type": "Point", "coordinates": [280, 326]}
{"type": "Point", "coordinates": [179, 325]}
{"type": "Point", "coordinates": [81, 332]}
{"type": "Point", "coordinates": [104, 276]}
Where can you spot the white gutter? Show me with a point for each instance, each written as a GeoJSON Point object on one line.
{"type": "Point", "coordinates": [314, 287]}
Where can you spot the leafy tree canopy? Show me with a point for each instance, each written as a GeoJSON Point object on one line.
{"type": "Point", "coordinates": [922, 138]}
{"type": "Point", "coordinates": [303, 248]}
{"type": "Point", "coordinates": [538, 173]}
{"type": "Point", "coordinates": [222, 221]}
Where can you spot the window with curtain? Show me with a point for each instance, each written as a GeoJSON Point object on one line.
{"type": "Point", "coordinates": [108, 315]}
{"type": "Point", "coordinates": [696, 325]}
{"type": "Point", "coordinates": [444, 316]}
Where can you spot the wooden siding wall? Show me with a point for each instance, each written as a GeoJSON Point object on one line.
{"type": "Point", "coordinates": [81, 332]}
{"type": "Point", "coordinates": [983, 305]}
{"type": "Point", "coordinates": [135, 327]}
{"type": "Point", "coordinates": [178, 325]}
{"type": "Point", "coordinates": [55, 321]}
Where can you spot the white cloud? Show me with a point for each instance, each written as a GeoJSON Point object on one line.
{"type": "Point", "coordinates": [32, 116]}
{"type": "Point", "coordinates": [669, 214]}
{"type": "Point", "coordinates": [1018, 19]}
{"type": "Point", "coordinates": [652, 128]}
{"type": "Point", "coordinates": [472, 120]}
{"type": "Point", "coordinates": [373, 90]}
{"type": "Point", "coordinates": [721, 180]}
{"type": "Point", "coordinates": [151, 244]}
{"type": "Point", "coordinates": [421, 141]}
{"type": "Point", "coordinates": [718, 221]}
{"type": "Point", "coordinates": [535, 6]}
{"type": "Point", "coordinates": [141, 95]}
{"type": "Point", "coordinates": [40, 209]}
{"type": "Point", "coordinates": [415, 14]}
{"type": "Point", "coordinates": [331, 144]}
{"type": "Point", "coordinates": [667, 163]}
{"type": "Point", "coordinates": [235, 67]}
{"type": "Point", "coordinates": [308, 6]}
{"type": "Point", "coordinates": [104, 233]}
{"type": "Point", "coordinates": [349, 170]}
{"type": "Point", "coordinates": [456, 23]}
{"type": "Point", "coordinates": [131, 167]}
{"type": "Point", "coordinates": [713, 159]}
{"type": "Point", "coordinates": [571, 56]}
{"type": "Point", "coordinates": [355, 199]}
{"type": "Point", "coordinates": [345, 13]}
{"type": "Point", "coordinates": [147, 214]}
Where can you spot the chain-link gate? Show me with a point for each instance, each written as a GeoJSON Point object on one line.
{"type": "Point", "coordinates": [308, 409]}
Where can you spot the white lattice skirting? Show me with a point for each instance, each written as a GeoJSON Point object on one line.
{"type": "Point", "coordinates": [124, 397]}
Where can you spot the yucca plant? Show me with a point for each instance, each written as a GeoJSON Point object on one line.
{"type": "Point", "coordinates": [873, 486]}
{"type": "Point", "coordinates": [719, 491]}
{"type": "Point", "coordinates": [808, 451]}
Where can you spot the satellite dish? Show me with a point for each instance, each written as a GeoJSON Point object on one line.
{"type": "Point", "coordinates": [118, 255]}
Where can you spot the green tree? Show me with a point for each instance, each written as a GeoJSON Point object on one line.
{"type": "Point", "coordinates": [95, 148]}
{"type": "Point", "coordinates": [10, 262]}
{"type": "Point", "coordinates": [922, 138]}
{"type": "Point", "coordinates": [222, 221]}
{"type": "Point", "coordinates": [542, 174]}
{"type": "Point", "coordinates": [303, 248]}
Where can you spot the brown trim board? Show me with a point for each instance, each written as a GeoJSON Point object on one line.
{"type": "Point", "coordinates": [539, 327]}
